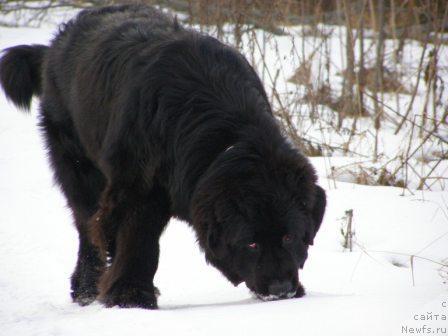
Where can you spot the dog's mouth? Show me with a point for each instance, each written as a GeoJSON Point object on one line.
{"type": "Point", "coordinates": [295, 292]}
{"type": "Point", "coordinates": [272, 297]}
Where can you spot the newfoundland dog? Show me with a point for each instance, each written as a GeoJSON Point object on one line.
{"type": "Point", "coordinates": [144, 120]}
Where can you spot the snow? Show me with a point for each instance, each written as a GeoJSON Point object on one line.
{"type": "Point", "coordinates": [368, 291]}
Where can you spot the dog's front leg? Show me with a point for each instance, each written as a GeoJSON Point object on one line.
{"type": "Point", "coordinates": [129, 226]}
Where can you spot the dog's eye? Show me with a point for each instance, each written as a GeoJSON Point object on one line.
{"type": "Point", "coordinates": [288, 238]}
{"type": "Point", "coordinates": [253, 246]}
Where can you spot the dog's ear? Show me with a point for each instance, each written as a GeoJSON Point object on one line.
{"type": "Point", "coordinates": [317, 212]}
{"type": "Point", "coordinates": [217, 253]}
{"type": "Point", "coordinates": [214, 240]}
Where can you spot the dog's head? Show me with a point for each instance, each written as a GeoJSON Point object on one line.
{"type": "Point", "coordinates": [257, 216]}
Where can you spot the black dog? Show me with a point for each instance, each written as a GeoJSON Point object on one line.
{"type": "Point", "coordinates": [145, 120]}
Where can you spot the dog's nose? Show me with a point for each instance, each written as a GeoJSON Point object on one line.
{"type": "Point", "coordinates": [279, 288]}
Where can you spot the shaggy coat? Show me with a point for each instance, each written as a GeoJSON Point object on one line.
{"type": "Point", "coordinates": [145, 120]}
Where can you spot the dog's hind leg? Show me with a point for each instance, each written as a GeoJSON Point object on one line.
{"type": "Point", "coordinates": [134, 218]}
{"type": "Point", "coordinates": [81, 183]}
{"type": "Point", "coordinates": [89, 265]}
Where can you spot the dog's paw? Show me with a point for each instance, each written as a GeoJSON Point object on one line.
{"type": "Point", "coordinates": [130, 296]}
{"type": "Point", "coordinates": [300, 291]}
{"type": "Point", "coordinates": [83, 292]}
{"type": "Point", "coordinates": [83, 298]}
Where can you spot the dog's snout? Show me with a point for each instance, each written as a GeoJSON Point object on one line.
{"type": "Point", "coordinates": [279, 288]}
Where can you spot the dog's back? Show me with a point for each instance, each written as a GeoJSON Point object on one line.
{"type": "Point", "coordinates": [103, 34]}
{"type": "Point", "coordinates": [91, 63]}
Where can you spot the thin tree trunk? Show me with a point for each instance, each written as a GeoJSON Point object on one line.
{"type": "Point", "coordinates": [378, 74]}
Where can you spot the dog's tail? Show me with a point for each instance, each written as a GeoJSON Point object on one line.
{"type": "Point", "coordinates": [20, 73]}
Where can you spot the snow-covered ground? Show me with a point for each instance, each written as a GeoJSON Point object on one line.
{"type": "Point", "coordinates": [366, 292]}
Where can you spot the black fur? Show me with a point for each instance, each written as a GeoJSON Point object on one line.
{"type": "Point", "coordinates": [145, 120]}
